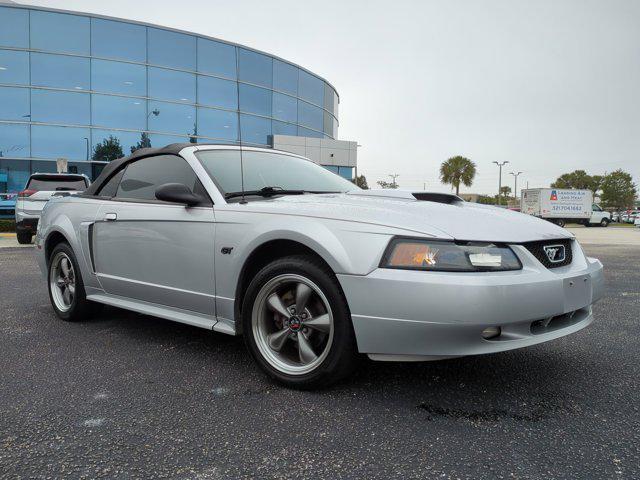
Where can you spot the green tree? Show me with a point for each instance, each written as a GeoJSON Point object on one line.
{"type": "Point", "coordinates": [107, 150]}
{"type": "Point", "coordinates": [457, 170]}
{"type": "Point", "coordinates": [618, 190]}
{"type": "Point", "coordinates": [580, 180]}
{"type": "Point", "coordinates": [144, 142]}
{"type": "Point", "coordinates": [361, 181]}
{"type": "Point", "coordinates": [384, 184]}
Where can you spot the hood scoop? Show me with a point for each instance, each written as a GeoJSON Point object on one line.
{"type": "Point", "coordinates": [446, 198]}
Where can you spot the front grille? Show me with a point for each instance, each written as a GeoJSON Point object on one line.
{"type": "Point", "coordinates": [537, 249]}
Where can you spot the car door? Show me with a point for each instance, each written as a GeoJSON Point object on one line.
{"type": "Point", "coordinates": [153, 251]}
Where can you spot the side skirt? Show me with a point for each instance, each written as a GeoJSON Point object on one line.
{"type": "Point", "coordinates": [162, 311]}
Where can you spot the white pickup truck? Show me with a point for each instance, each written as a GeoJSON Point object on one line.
{"type": "Point", "coordinates": [562, 206]}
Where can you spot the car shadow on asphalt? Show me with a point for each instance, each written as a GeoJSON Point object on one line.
{"type": "Point", "coordinates": [527, 385]}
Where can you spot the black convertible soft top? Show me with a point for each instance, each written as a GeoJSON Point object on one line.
{"type": "Point", "coordinates": [115, 165]}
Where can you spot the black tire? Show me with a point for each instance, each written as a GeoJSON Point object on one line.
{"type": "Point", "coordinates": [342, 356]}
{"type": "Point", "coordinates": [24, 238]}
{"type": "Point", "coordinates": [560, 222]}
{"type": "Point", "coordinates": [81, 308]}
{"type": "Point", "coordinates": [604, 222]}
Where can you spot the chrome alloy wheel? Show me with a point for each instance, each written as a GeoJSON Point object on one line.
{"type": "Point", "coordinates": [292, 324]}
{"type": "Point", "coordinates": [62, 281]}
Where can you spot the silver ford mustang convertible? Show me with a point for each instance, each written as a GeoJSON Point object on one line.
{"type": "Point", "coordinates": [312, 270]}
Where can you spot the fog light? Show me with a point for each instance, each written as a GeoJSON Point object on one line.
{"type": "Point", "coordinates": [491, 332]}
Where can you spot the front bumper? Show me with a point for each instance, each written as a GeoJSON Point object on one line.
{"type": "Point", "coordinates": [413, 315]}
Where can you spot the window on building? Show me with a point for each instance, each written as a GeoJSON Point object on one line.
{"type": "Point", "coordinates": [108, 145]}
{"type": "Point", "coordinates": [216, 92]}
{"type": "Point", "coordinates": [171, 49]}
{"type": "Point", "coordinates": [160, 140]}
{"type": "Point", "coordinates": [285, 77]}
{"type": "Point", "coordinates": [60, 71]}
{"type": "Point", "coordinates": [14, 174]}
{"type": "Point", "coordinates": [118, 40]}
{"type": "Point", "coordinates": [14, 103]}
{"type": "Point", "coordinates": [217, 124]}
{"type": "Point", "coordinates": [281, 128]}
{"type": "Point", "coordinates": [59, 32]}
{"type": "Point", "coordinates": [255, 68]}
{"type": "Point", "coordinates": [310, 88]}
{"type": "Point", "coordinates": [14, 27]}
{"type": "Point", "coordinates": [14, 140]}
{"type": "Point", "coordinates": [14, 67]}
{"type": "Point", "coordinates": [172, 117]}
{"type": "Point", "coordinates": [255, 100]}
{"type": "Point", "coordinates": [51, 106]}
{"type": "Point", "coordinates": [255, 129]}
{"type": "Point", "coordinates": [172, 85]}
{"type": "Point", "coordinates": [328, 124]}
{"type": "Point", "coordinates": [117, 77]}
{"type": "Point", "coordinates": [285, 107]}
{"type": "Point", "coordinates": [59, 142]}
{"type": "Point", "coordinates": [119, 112]}
{"type": "Point", "coordinates": [329, 98]}
{"type": "Point", "coordinates": [310, 116]}
{"type": "Point", "coordinates": [305, 132]}
{"type": "Point", "coordinates": [216, 58]}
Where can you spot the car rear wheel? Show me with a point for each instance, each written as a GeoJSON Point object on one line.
{"type": "Point", "coordinates": [66, 289]}
{"type": "Point", "coordinates": [297, 324]}
{"type": "Point", "coordinates": [24, 238]}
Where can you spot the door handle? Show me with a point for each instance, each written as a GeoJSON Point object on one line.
{"type": "Point", "coordinates": [110, 217]}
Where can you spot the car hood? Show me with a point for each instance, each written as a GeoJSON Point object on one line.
{"type": "Point", "coordinates": [397, 209]}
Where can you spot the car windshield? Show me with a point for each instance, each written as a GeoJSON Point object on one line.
{"type": "Point", "coordinates": [267, 173]}
{"type": "Point", "coordinates": [52, 184]}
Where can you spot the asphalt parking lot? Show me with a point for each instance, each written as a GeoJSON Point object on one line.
{"type": "Point", "coordinates": [131, 396]}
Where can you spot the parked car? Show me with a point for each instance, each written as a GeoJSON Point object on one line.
{"type": "Point", "coordinates": [40, 188]}
{"type": "Point", "coordinates": [637, 221]}
{"type": "Point", "coordinates": [312, 270]}
{"type": "Point", "coordinates": [630, 216]}
{"type": "Point", "coordinates": [615, 217]}
{"type": "Point", "coordinates": [7, 205]}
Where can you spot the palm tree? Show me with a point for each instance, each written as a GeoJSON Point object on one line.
{"type": "Point", "coordinates": [458, 169]}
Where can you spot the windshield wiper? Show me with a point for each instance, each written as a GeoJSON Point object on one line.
{"type": "Point", "coordinates": [265, 192]}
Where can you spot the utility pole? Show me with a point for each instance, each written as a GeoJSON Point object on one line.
{"type": "Point", "coordinates": [500, 164]}
{"type": "Point", "coordinates": [394, 176]}
{"type": "Point", "coordinates": [515, 185]}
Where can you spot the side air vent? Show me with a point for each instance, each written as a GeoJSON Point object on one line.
{"type": "Point", "coordinates": [437, 197]}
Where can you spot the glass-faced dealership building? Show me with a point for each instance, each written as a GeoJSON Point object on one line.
{"type": "Point", "coordinates": [91, 89]}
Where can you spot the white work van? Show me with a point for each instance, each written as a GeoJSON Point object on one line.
{"type": "Point", "coordinates": [562, 206]}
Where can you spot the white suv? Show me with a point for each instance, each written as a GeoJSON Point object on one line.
{"type": "Point", "coordinates": [39, 189]}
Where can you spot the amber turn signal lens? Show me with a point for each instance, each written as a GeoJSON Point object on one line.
{"type": "Point", "coordinates": [413, 255]}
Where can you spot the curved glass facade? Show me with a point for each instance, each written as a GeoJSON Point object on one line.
{"type": "Point", "coordinates": [91, 89]}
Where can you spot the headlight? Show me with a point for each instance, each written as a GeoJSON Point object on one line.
{"type": "Point", "coordinates": [445, 256]}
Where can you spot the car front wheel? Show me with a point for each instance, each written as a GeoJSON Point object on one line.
{"type": "Point", "coordinates": [604, 222]}
{"type": "Point", "coordinates": [297, 324]}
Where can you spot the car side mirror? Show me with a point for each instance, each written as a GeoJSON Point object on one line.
{"type": "Point", "coordinates": [177, 193]}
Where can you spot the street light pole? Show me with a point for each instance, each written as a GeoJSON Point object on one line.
{"type": "Point", "coordinates": [500, 164]}
{"type": "Point", "coordinates": [515, 184]}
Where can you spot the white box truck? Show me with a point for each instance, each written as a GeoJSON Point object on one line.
{"type": "Point", "coordinates": [562, 206]}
